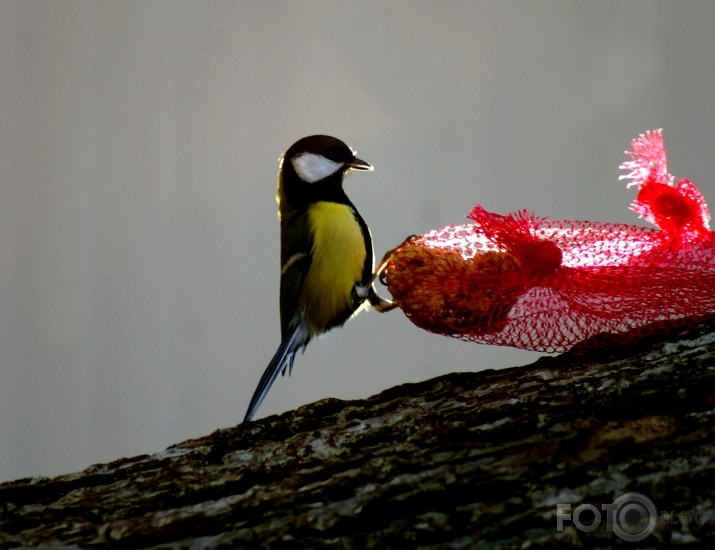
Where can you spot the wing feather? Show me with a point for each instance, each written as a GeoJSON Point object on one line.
{"type": "Point", "coordinates": [296, 257]}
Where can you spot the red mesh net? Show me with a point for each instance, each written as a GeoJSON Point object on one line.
{"type": "Point", "coordinates": [544, 285]}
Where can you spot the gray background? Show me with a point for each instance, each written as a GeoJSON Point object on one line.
{"type": "Point", "coordinates": [138, 152]}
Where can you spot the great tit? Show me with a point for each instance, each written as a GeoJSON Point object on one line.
{"type": "Point", "coordinates": [326, 251]}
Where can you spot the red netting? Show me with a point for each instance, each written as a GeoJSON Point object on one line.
{"type": "Point", "coordinates": [544, 285]}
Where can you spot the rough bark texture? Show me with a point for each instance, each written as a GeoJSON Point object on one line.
{"type": "Point", "coordinates": [469, 460]}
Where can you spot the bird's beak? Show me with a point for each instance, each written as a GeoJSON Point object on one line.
{"type": "Point", "coordinates": [358, 164]}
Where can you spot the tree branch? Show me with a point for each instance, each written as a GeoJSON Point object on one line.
{"type": "Point", "coordinates": [461, 461]}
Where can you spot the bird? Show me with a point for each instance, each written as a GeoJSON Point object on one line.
{"type": "Point", "coordinates": [326, 251]}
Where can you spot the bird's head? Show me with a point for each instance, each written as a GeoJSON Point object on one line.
{"type": "Point", "coordinates": [313, 168]}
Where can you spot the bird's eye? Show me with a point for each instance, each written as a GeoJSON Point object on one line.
{"type": "Point", "coordinates": [311, 167]}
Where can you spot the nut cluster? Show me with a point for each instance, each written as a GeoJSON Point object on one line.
{"type": "Point", "coordinates": [441, 290]}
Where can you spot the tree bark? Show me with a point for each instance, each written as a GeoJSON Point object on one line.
{"type": "Point", "coordinates": [514, 458]}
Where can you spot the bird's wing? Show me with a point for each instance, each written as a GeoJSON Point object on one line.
{"type": "Point", "coordinates": [296, 256]}
{"type": "Point", "coordinates": [298, 337]}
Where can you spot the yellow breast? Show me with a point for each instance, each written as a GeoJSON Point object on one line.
{"type": "Point", "coordinates": [337, 264]}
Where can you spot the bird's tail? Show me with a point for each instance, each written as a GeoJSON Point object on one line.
{"type": "Point", "coordinates": [297, 338]}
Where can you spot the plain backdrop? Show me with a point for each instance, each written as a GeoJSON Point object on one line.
{"type": "Point", "coordinates": [139, 143]}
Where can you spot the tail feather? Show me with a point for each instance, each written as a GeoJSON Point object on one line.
{"type": "Point", "coordinates": [282, 359]}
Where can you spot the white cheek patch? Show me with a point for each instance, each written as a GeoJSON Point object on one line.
{"type": "Point", "coordinates": [311, 167]}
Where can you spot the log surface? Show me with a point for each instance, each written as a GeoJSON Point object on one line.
{"type": "Point", "coordinates": [467, 460]}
